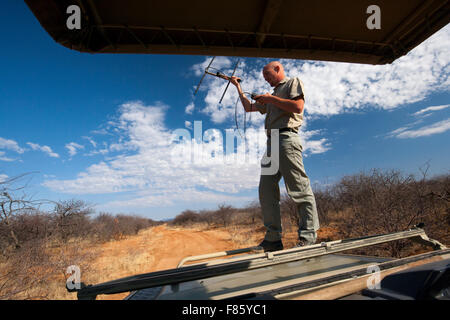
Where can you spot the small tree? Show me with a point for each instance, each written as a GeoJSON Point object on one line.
{"type": "Point", "coordinates": [13, 201]}
{"type": "Point", "coordinates": [186, 217]}
{"type": "Point", "coordinates": [254, 213]}
{"type": "Point", "coordinates": [72, 218]}
{"type": "Point", "coordinates": [223, 214]}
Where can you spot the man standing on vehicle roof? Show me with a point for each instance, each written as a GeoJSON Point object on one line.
{"type": "Point", "coordinates": [284, 111]}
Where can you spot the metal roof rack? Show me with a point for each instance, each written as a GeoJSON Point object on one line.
{"type": "Point", "coordinates": [239, 264]}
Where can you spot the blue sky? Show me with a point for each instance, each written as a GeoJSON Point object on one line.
{"type": "Point", "coordinates": [100, 127]}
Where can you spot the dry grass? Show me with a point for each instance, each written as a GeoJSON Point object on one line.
{"type": "Point", "coordinates": [121, 258]}
{"type": "Point", "coordinates": [98, 263]}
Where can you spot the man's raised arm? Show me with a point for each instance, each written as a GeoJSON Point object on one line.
{"type": "Point", "coordinates": [248, 106]}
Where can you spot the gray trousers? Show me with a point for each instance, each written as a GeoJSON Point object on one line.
{"type": "Point", "coordinates": [298, 187]}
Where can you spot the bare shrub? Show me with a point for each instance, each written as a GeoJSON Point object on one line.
{"type": "Point", "coordinates": [254, 214]}
{"type": "Point", "coordinates": [289, 212]}
{"type": "Point", "coordinates": [72, 218]}
{"type": "Point", "coordinates": [433, 206]}
{"type": "Point", "coordinates": [13, 202]}
{"type": "Point", "coordinates": [384, 202]}
{"type": "Point", "coordinates": [27, 272]}
{"type": "Point", "coordinates": [130, 225]}
{"type": "Point", "coordinates": [19, 272]}
{"type": "Point", "coordinates": [223, 215]}
{"type": "Point", "coordinates": [326, 203]}
{"type": "Point", "coordinates": [35, 225]}
{"type": "Point", "coordinates": [208, 217]}
{"type": "Point", "coordinates": [187, 217]}
{"type": "Point", "coordinates": [250, 215]}
{"type": "Point", "coordinates": [106, 227]}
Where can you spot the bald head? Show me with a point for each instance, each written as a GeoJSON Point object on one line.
{"type": "Point", "coordinates": [273, 72]}
{"type": "Point", "coordinates": [274, 64]}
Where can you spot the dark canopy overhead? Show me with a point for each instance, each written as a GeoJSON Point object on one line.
{"type": "Point", "coordinates": [316, 29]}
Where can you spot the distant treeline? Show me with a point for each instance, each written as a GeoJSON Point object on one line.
{"type": "Point", "coordinates": [69, 219]}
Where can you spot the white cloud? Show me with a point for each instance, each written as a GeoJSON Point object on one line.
{"type": "Point", "coordinates": [311, 146]}
{"type": "Point", "coordinates": [188, 124]}
{"type": "Point", "coordinates": [3, 177]}
{"type": "Point", "coordinates": [103, 150]}
{"type": "Point", "coordinates": [431, 109]}
{"type": "Point", "coordinates": [435, 128]}
{"type": "Point", "coordinates": [10, 145]}
{"type": "Point", "coordinates": [93, 143]}
{"type": "Point", "coordinates": [73, 148]}
{"type": "Point", "coordinates": [317, 146]}
{"type": "Point", "coordinates": [189, 108]}
{"type": "Point", "coordinates": [102, 131]}
{"type": "Point", "coordinates": [3, 158]}
{"type": "Point", "coordinates": [142, 125]}
{"type": "Point", "coordinates": [45, 149]}
{"type": "Point", "coordinates": [97, 152]}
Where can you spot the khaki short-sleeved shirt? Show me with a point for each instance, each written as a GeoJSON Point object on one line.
{"type": "Point", "coordinates": [277, 118]}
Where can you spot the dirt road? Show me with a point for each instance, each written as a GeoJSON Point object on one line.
{"type": "Point", "coordinates": [172, 245]}
{"type": "Point", "coordinates": [154, 249]}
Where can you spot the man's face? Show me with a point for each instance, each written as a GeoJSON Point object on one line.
{"type": "Point", "coordinates": [271, 75]}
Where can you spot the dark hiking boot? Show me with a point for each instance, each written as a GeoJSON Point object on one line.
{"type": "Point", "coordinates": [303, 243]}
{"type": "Point", "coordinates": [271, 245]}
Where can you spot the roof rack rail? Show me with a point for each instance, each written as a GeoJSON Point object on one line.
{"type": "Point", "coordinates": [219, 254]}
{"type": "Point", "coordinates": [248, 262]}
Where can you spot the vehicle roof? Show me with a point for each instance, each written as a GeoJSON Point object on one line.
{"type": "Point", "coordinates": [292, 275]}
{"type": "Point", "coordinates": [316, 30]}
{"type": "Point", "coordinates": [258, 280]}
